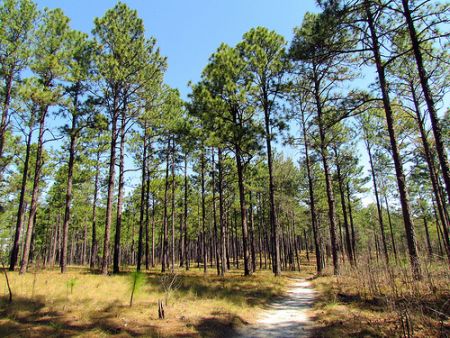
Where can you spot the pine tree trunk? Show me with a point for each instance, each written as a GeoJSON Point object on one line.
{"type": "Point", "coordinates": [35, 193]}
{"type": "Point", "coordinates": [328, 181]}
{"type": "Point", "coordinates": [243, 207]}
{"type": "Point", "coordinates": [85, 234]}
{"type": "Point", "coordinates": [94, 246]}
{"type": "Point", "coordinates": [427, 234]}
{"type": "Point", "coordinates": [117, 249]}
{"type": "Point", "coordinates": [181, 248]}
{"type": "Point", "coordinates": [272, 215]}
{"type": "Point", "coordinates": [221, 214]}
{"type": "Point", "coordinates": [431, 167]}
{"type": "Point", "coordinates": [352, 225]}
{"type": "Point", "coordinates": [377, 198]}
{"type": "Point", "coordinates": [204, 251]}
{"type": "Point", "coordinates": [22, 203]}
{"type": "Point", "coordinates": [424, 77]}
{"type": "Point", "coordinates": [147, 218]}
{"type": "Point", "coordinates": [173, 207]}
{"type": "Point", "coordinates": [142, 200]}
{"type": "Point", "coordinates": [348, 242]}
{"type": "Point", "coordinates": [216, 235]}
{"type": "Point", "coordinates": [401, 180]}
{"type": "Point", "coordinates": [55, 241]}
{"type": "Point", "coordinates": [260, 238]}
{"type": "Point", "coordinates": [312, 202]}
{"type": "Point", "coordinates": [153, 232]}
{"type": "Point", "coordinates": [185, 243]}
{"type": "Point", "coordinates": [306, 244]}
{"type": "Point", "coordinates": [68, 204]}
{"type": "Point", "coordinates": [252, 234]}
{"type": "Point", "coordinates": [394, 246]}
{"type": "Point", "coordinates": [111, 185]}
{"type": "Point", "coordinates": [227, 239]}
{"type": "Point", "coordinates": [165, 243]}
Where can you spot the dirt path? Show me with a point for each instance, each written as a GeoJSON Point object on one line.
{"type": "Point", "coordinates": [287, 317]}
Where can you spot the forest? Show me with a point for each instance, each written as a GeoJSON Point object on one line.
{"type": "Point", "coordinates": [321, 156]}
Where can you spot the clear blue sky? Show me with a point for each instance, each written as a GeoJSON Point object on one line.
{"type": "Point", "coordinates": [189, 31]}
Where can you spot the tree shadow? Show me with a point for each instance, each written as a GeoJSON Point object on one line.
{"type": "Point", "coordinates": [233, 288]}
{"type": "Point", "coordinates": [221, 325]}
{"type": "Point", "coordinates": [28, 317]}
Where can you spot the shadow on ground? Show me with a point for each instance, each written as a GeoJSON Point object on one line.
{"type": "Point", "coordinates": [28, 318]}
{"type": "Point", "coordinates": [234, 288]}
{"type": "Point", "coordinates": [221, 327]}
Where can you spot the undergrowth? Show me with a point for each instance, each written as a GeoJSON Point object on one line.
{"type": "Point", "coordinates": [377, 300]}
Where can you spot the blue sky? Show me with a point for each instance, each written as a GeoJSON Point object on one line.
{"type": "Point", "coordinates": [189, 31]}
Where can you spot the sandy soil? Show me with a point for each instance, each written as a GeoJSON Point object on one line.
{"type": "Point", "coordinates": [288, 317]}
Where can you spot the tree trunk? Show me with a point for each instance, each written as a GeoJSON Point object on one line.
{"type": "Point", "coordinates": [306, 244]}
{"type": "Point", "coordinates": [204, 251]}
{"type": "Point", "coordinates": [401, 180]}
{"type": "Point", "coordinates": [68, 204]}
{"type": "Point", "coordinates": [117, 255]}
{"type": "Point", "coordinates": [222, 213]}
{"type": "Point", "coordinates": [35, 193]}
{"type": "Point", "coordinates": [427, 234]}
{"type": "Point", "coordinates": [181, 248]}
{"type": "Point", "coordinates": [143, 194]}
{"type": "Point", "coordinates": [352, 225]}
{"type": "Point", "coordinates": [272, 215]}
{"type": "Point", "coordinates": [216, 235]}
{"type": "Point", "coordinates": [185, 243]}
{"type": "Point", "coordinates": [423, 76]}
{"type": "Point", "coordinates": [348, 242]}
{"type": "Point", "coordinates": [377, 198]}
{"type": "Point", "coordinates": [252, 234]}
{"type": "Point", "coordinates": [21, 210]}
{"type": "Point", "coordinates": [55, 241]}
{"type": "Point", "coordinates": [94, 246]}
{"type": "Point", "coordinates": [85, 234]}
{"type": "Point", "coordinates": [394, 247]}
{"type": "Point", "coordinates": [240, 172]}
{"type": "Point", "coordinates": [328, 182]}
{"type": "Point", "coordinates": [111, 185]}
{"type": "Point", "coordinates": [165, 243]}
{"type": "Point", "coordinates": [431, 166]}
{"type": "Point", "coordinates": [147, 217]}
{"type": "Point", "coordinates": [312, 204]}
{"type": "Point", "coordinates": [153, 232]}
{"type": "Point", "coordinates": [173, 207]}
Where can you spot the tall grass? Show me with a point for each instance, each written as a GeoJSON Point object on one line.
{"type": "Point", "coordinates": [390, 291]}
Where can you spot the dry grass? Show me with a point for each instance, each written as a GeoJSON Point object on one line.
{"type": "Point", "coordinates": [84, 304]}
{"type": "Point", "coordinates": [374, 301]}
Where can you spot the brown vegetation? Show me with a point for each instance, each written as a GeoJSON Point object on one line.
{"type": "Point", "coordinates": [374, 301]}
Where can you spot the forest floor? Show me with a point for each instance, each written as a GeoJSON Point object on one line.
{"type": "Point", "coordinates": [79, 303]}
{"type": "Point", "coordinates": [358, 303]}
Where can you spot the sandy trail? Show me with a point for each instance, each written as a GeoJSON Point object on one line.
{"type": "Point", "coordinates": [287, 317]}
